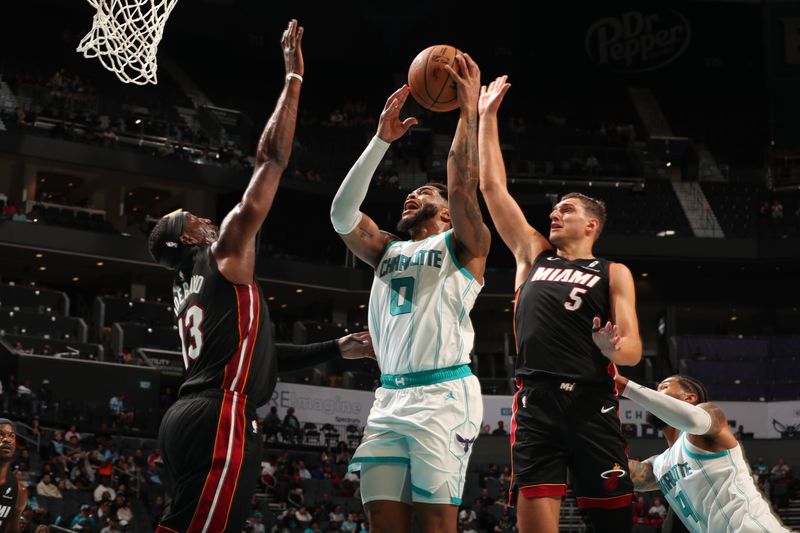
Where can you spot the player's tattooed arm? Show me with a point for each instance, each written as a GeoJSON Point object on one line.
{"type": "Point", "coordinates": [642, 476]}
{"type": "Point", "coordinates": [469, 229]}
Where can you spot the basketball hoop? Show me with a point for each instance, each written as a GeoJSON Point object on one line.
{"type": "Point", "coordinates": [125, 36]}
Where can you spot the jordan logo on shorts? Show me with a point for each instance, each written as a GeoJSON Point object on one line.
{"type": "Point", "coordinates": [464, 442]}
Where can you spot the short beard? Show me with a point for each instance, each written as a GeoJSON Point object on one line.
{"type": "Point", "coordinates": [654, 421]}
{"type": "Point", "coordinates": [424, 213]}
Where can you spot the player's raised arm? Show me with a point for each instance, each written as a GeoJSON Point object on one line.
{"type": "Point", "coordinates": [235, 250]}
{"type": "Point", "coordinates": [520, 237]}
{"type": "Point", "coordinates": [358, 231]}
{"type": "Point", "coordinates": [471, 234]}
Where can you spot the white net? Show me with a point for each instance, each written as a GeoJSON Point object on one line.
{"type": "Point", "coordinates": [125, 36]}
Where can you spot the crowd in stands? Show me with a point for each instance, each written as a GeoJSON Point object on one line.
{"type": "Point", "coordinates": [87, 482]}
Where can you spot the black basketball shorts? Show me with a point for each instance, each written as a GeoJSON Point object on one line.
{"type": "Point", "coordinates": [566, 426]}
{"type": "Point", "coordinates": [212, 450]}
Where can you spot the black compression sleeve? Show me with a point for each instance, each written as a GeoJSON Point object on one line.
{"type": "Point", "coordinates": [293, 357]}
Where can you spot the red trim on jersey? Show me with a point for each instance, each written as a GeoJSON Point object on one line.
{"type": "Point", "coordinates": [242, 309]}
{"type": "Point", "coordinates": [216, 498]}
{"type": "Point", "coordinates": [613, 372]}
{"type": "Point", "coordinates": [615, 502]}
{"type": "Point", "coordinates": [252, 337]}
{"type": "Point", "coordinates": [231, 380]}
{"type": "Point", "coordinates": [164, 529]}
{"type": "Point", "coordinates": [513, 438]}
{"type": "Point", "coordinates": [544, 490]}
{"type": "Point", "coordinates": [514, 318]}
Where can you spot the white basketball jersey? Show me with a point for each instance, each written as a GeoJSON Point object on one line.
{"type": "Point", "coordinates": [713, 492]}
{"type": "Point", "coordinates": [419, 306]}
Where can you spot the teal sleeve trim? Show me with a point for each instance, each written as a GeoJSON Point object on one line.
{"type": "Point", "coordinates": [451, 247]}
{"type": "Point", "coordinates": [455, 501]}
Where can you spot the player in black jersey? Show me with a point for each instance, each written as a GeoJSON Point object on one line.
{"type": "Point", "coordinates": [209, 437]}
{"type": "Point", "coordinates": [13, 496]}
{"type": "Point", "coordinates": [575, 319]}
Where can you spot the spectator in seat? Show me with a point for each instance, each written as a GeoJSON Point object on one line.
{"type": "Point", "coordinates": [657, 512]}
{"type": "Point", "coordinates": [640, 511]}
{"type": "Point", "coordinates": [10, 209]}
{"type": "Point", "coordinates": [123, 509]}
{"type": "Point", "coordinates": [257, 522]}
{"type": "Point", "coordinates": [313, 527]}
{"type": "Point", "coordinates": [84, 519]}
{"type": "Point", "coordinates": [272, 424]}
{"type": "Point", "coordinates": [47, 488]}
{"type": "Point", "coordinates": [104, 487]}
{"type": "Point", "coordinates": [780, 471]}
{"type": "Point", "coordinates": [350, 525]}
{"type": "Point", "coordinates": [72, 432]}
{"type": "Point", "coordinates": [303, 517]}
{"type": "Point", "coordinates": [291, 426]}
{"type": "Point", "coordinates": [501, 429]}
{"type": "Point", "coordinates": [336, 517]}
{"type": "Point", "coordinates": [57, 445]}
{"type": "Point", "coordinates": [116, 405]}
{"type": "Point", "coordinates": [760, 469]}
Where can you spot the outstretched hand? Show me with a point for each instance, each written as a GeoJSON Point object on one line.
{"type": "Point", "coordinates": [492, 96]}
{"type": "Point", "coordinates": [292, 51]}
{"type": "Point", "coordinates": [357, 346]}
{"type": "Point", "coordinates": [606, 337]}
{"type": "Point", "coordinates": [390, 127]}
{"type": "Point", "coordinates": [468, 80]}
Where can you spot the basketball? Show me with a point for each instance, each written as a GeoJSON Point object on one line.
{"type": "Point", "coordinates": [431, 85]}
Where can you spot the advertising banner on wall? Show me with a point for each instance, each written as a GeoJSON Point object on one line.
{"type": "Point", "coordinates": [322, 405]}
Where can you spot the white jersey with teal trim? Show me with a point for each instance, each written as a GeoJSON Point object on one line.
{"type": "Point", "coordinates": [713, 492]}
{"type": "Point", "coordinates": [419, 306]}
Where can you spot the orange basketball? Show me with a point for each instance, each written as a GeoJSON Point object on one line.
{"type": "Point", "coordinates": [431, 85]}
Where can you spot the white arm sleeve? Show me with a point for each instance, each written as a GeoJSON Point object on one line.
{"type": "Point", "coordinates": [677, 413]}
{"type": "Point", "coordinates": [345, 214]}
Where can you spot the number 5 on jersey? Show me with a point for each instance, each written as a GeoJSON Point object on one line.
{"type": "Point", "coordinates": [191, 333]}
{"type": "Point", "coordinates": [574, 300]}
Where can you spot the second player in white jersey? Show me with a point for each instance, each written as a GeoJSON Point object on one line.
{"type": "Point", "coordinates": [712, 492]}
{"type": "Point", "coordinates": [703, 474]}
{"type": "Point", "coordinates": [419, 306]}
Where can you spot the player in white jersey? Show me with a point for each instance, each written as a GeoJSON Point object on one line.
{"type": "Point", "coordinates": [703, 474]}
{"type": "Point", "coordinates": [428, 411]}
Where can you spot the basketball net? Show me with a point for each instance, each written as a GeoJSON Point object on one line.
{"type": "Point", "coordinates": [125, 36]}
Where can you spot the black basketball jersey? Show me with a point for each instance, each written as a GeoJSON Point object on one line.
{"type": "Point", "coordinates": [8, 501]}
{"type": "Point", "coordinates": [226, 338]}
{"type": "Point", "coordinates": [553, 314]}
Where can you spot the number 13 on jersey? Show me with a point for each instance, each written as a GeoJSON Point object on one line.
{"type": "Point", "coordinates": [190, 330]}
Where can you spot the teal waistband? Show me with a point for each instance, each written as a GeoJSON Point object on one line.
{"type": "Point", "coordinates": [426, 377]}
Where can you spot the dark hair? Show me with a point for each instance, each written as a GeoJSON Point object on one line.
{"type": "Point", "coordinates": [441, 187]}
{"type": "Point", "coordinates": [694, 386]}
{"type": "Point", "coordinates": [164, 241]}
{"type": "Point", "coordinates": [595, 207]}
